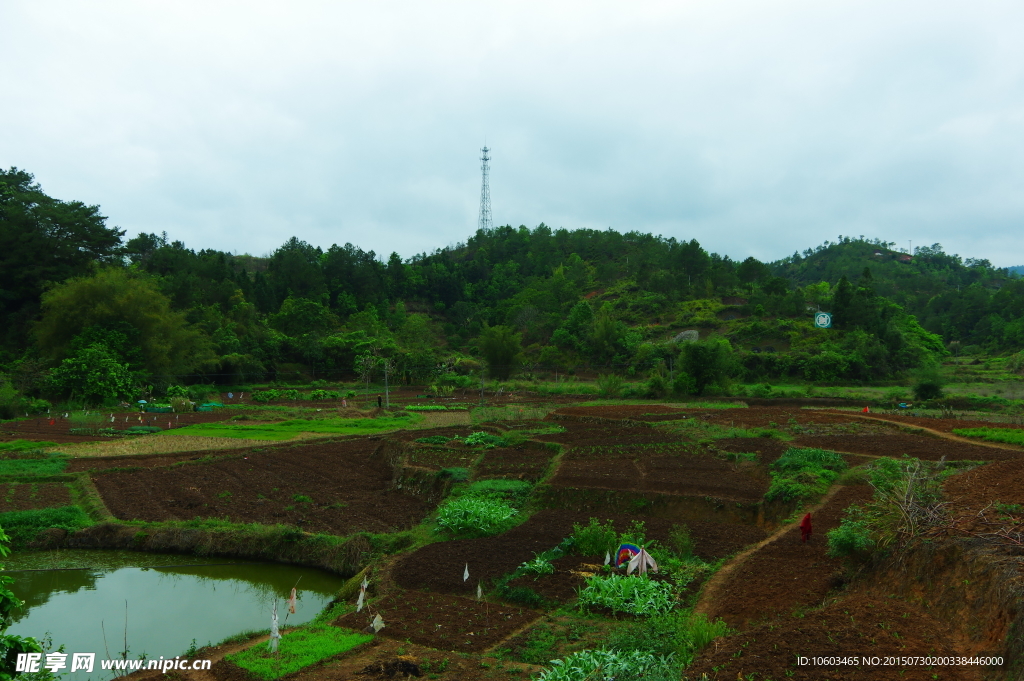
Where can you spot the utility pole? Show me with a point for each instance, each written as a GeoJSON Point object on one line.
{"type": "Point", "coordinates": [484, 223]}
{"type": "Point", "coordinates": [387, 395]}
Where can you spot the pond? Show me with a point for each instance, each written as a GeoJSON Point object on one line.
{"type": "Point", "coordinates": [157, 605]}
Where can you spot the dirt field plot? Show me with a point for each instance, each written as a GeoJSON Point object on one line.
{"type": "Point", "coordinates": [27, 496]}
{"type": "Point", "coordinates": [772, 417]}
{"type": "Point", "coordinates": [898, 444]}
{"type": "Point", "coordinates": [439, 567]}
{"type": "Point", "coordinates": [582, 434]}
{"type": "Point", "coordinates": [1001, 482]}
{"type": "Point", "coordinates": [528, 462]}
{"type": "Point", "coordinates": [335, 487]}
{"type": "Point", "coordinates": [855, 626]}
{"type": "Point", "coordinates": [636, 412]}
{"type": "Point", "coordinates": [436, 458]}
{"type": "Point", "coordinates": [942, 425]}
{"type": "Point", "coordinates": [442, 622]}
{"type": "Point", "coordinates": [666, 469]}
{"type": "Point", "coordinates": [786, 573]}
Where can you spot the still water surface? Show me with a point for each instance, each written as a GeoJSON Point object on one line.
{"type": "Point", "coordinates": [93, 601]}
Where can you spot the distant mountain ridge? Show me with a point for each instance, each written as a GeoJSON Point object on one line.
{"type": "Point", "coordinates": [1019, 269]}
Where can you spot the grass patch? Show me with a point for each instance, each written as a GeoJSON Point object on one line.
{"type": "Point", "coordinates": [53, 464]}
{"type": "Point", "coordinates": [24, 445]}
{"type": "Point", "coordinates": [297, 650]}
{"type": "Point", "coordinates": [23, 526]}
{"type": "Point", "coordinates": [475, 516]}
{"type": "Point", "coordinates": [432, 407]}
{"type": "Point", "coordinates": [1013, 436]}
{"type": "Point", "coordinates": [287, 430]}
{"type": "Point", "coordinates": [802, 474]}
{"type": "Point", "coordinates": [491, 414]}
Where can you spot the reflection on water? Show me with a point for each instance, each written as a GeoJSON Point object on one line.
{"type": "Point", "coordinates": [160, 610]}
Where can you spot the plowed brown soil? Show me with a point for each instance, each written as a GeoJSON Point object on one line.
{"type": "Point", "coordinates": [527, 462]}
{"type": "Point", "coordinates": [853, 626]}
{"type": "Point", "coordinates": [667, 470]}
{"type": "Point", "coordinates": [786, 573]}
{"type": "Point", "coordinates": [635, 412]}
{"type": "Point", "coordinates": [765, 417]}
{"type": "Point", "coordinates": [918, 446]}
{"type": "Point", "coordinates": [28, 496]}
{"type": "Point", "coordinates": [979, 487]}
{"type": "Point", "coordinates": [349, 488]}
{"type": "Point", "coordinates": [440, 621]}
{"type": "Point", "coordinates": [440, 567]}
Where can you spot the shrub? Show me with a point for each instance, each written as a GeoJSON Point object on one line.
{"type": "Point", "coordinates": [609, 385]}
{"type": "Point", "coordinates": [456, 474]}
{"type": "Point", "coordinates": [265, 395]}
{"type": "Point", "coordinates": [852, 538]}
{"type": "Point", "coordinates": [475, 516]}
{"type": "Point", "coordinates": [319, 395]}
{"type": "Point", "coordinates": [595, 539]}
{"type": "Point", "coordinates": [291, 394]}
{"type": "Point", "coordinates": [631, 594]}
{"type": "Point", "coordinates": [680, 541]}
{"type": "Point", "coordinates": [803, 473]}
{"type": "Point", "coordinates": [177, 391]}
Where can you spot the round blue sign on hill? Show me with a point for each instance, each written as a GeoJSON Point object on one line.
{"type": "Point", "coordinates": [823, 320]}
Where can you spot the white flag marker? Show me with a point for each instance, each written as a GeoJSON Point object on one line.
{"type": "Point", "coordinates": [465, 575]}
{"type": "Point", "coordinates": [377, 624]}
{"type": "Point", "coordinates": [607, 557]}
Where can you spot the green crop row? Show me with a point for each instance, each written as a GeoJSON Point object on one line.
{"type": "Point", "coordinates": [1013, 436]}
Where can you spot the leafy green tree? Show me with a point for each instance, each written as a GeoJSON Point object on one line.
{"type": "Point", "coordinates": [115, 298]}
{"type": "Point", "coordinates": [707, 363]}
{"type": "Point", "coordinates": [299, 316]}
{"type": "Point", "coordinates": [43, 239]}
{"type": "Point", "coordinates": [93, 374]}
{"type": "Point", "coordinates": [502, 348]}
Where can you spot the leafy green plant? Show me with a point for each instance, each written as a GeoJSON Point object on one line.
{"type": "Point", "coordinates": [475, 516]}
{"type": "Point", "coordinates": [486, 440]}
{"type": "Point", "coordinates": [677, 633]}
{"type": "Point", "coordinates": [265, 395]}
{"type": "Point", "coordinates": [595, 538]}
{"type": "Point", "coordinates": [23, 526]}
{"type": "Point", "coordinates": [10, 646]}
{"type": "Point", "coordinates": [302, 499]}
{"type": "Point", "coordinates": [320, 395]}
{"type": "Point", "coordinates": [537, 566]}
{"type": "Point", "coordinates": [142, 430]}
{"type": "Point", "coordinates": [610, 665]}
{"type": "Point", "coordinates": [297, 650]}
{"type": "Point", "coordinates": [631, 594]}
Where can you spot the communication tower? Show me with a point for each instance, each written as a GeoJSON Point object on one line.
{"type": "Point", "coordinates": [484, 222]}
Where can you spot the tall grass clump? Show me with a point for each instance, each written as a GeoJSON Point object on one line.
{"type": "Point", "coordinates": [1013, 436]}
{"type": "Point", "coordinates": [633, 595]}
{"type": "Point", "coordinates": [297, 650]}
{"type": "Point", "coordinates": [23, 526]}
{"type": "Point", "coordinates": [475, 516]}
{"type": "Point", "coordinates": [24, 445]}
{"type": "Point", "coordinates": [680, 634]}
{"type": "Point", "coordinates": [802, 474]}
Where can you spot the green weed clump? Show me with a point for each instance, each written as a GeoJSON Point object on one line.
{"type": "Point", "coordinates": [297, 650]}
{"type": "Point", "coordinates": [1013, 436]}
{"type": "Point", "coordinates": [595, 539]}
{"type": "Point", "coordinates": [680, 634]}
{"type": "Point", "coordinates": [633, 595]}
{"type": "Point", "coordinates": [609, 665]}
{"type": "Point", "coordinates": [23, 526]}
{"type": "Point", "coordinates": [433, 440]}
{"type": "Point", "coordinates": [486, 440]}
{"type": "Point", "coordinates": [802, 474]}
{"type": "Point", "coordinates": [24, 445]}
{"type": "Point", "coordinates": [52, 464]}
{"type": "Point", "coordinates": [432, 407]}
{"type": "Point", "coordinates": [475, 516]}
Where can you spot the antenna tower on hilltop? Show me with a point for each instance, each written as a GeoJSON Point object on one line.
{"type": "Point", "coordinates": [484, 222]}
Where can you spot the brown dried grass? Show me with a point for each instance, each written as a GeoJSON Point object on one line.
{"type": "Point", "coordinates": [156, 444]}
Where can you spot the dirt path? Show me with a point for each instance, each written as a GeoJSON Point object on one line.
{"type": "Point", "coordinates": [942, 434]}
{"type": "Point", "coordinates": [715, 584]}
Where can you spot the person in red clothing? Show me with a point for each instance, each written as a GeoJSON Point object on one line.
{"type": "Point", "coordinates": [805, 527]}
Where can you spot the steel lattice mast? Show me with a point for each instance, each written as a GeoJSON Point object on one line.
{"type": "Point", "coordinates": [484, 222]}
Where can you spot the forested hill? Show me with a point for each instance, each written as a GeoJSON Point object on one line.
{"type": "Point", "coordinates": [72, 290]}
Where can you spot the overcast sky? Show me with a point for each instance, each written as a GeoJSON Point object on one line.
{"type": "Point", "coordinates": [758, 128]}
